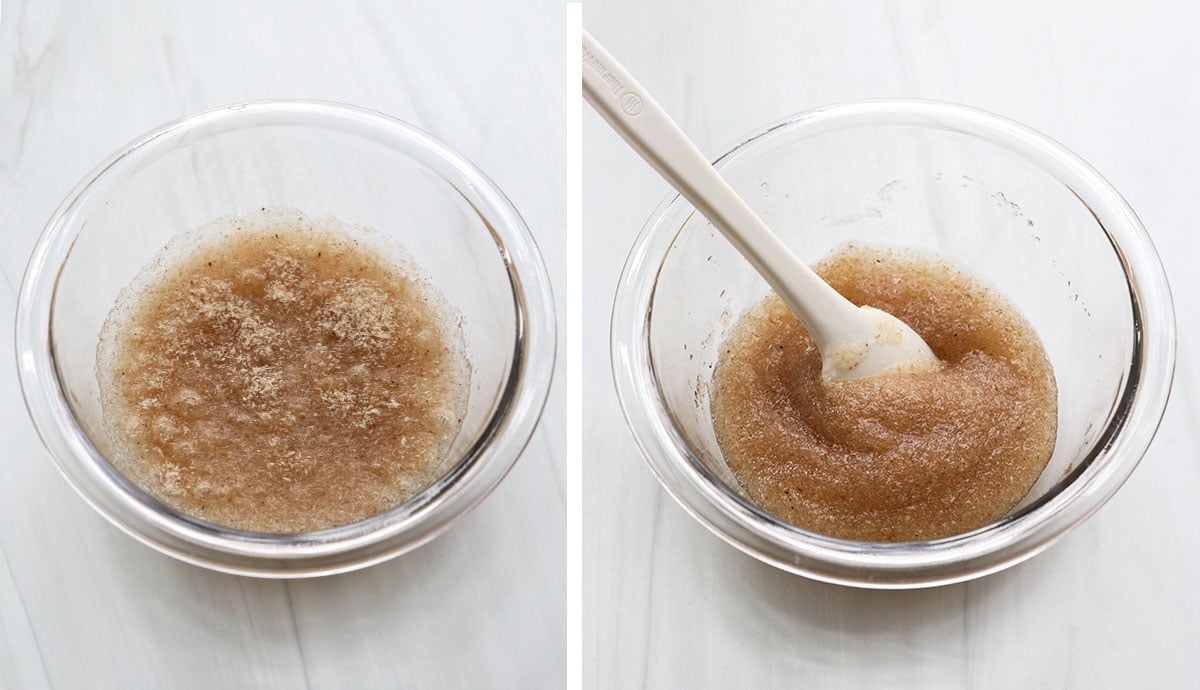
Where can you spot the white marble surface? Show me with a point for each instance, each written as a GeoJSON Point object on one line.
{"type": "Point", "coordinates": [82, 605]}
{"type": "Point", "coordinates": [1115, 603]}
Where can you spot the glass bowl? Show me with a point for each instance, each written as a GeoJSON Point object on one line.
{"type": "Point", "coordinates": [1009, 205]}
{"type": "Point", "coordinates": [319, 158]}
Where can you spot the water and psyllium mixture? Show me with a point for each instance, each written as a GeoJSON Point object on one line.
{"type": "Point", "coordinates": [276, 374]}
{"type": "Point", "coordinates": [892, 458]}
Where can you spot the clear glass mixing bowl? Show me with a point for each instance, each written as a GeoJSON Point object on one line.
{"type": "Point", "coordinates": [998, 199]}
{"type": "Point", "coordinates": [319, 158]}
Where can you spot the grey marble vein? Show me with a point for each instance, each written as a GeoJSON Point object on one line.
{"type": "Point", "coordinates": [42, 671]}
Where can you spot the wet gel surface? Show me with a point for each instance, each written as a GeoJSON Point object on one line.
{"type": "Point", "coordinates": [282, 377]}
{"type": "Point", "coordinates": [892, 458]}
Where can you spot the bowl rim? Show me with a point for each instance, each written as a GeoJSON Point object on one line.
{"type": "Point", "coordinates": [1013, 539]}
{"type": "Point", "coordinates": [375, 539]}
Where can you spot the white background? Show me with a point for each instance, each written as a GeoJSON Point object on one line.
{"type": "Point", "coordinates": [1115, 604]}
{"type": "Point", "coordinates": [84, 606]}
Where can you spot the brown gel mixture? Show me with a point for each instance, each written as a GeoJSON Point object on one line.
{"type": "Point", "coordinates": [273, 374]}
{"type": "Point", "coordinates": [893, 458]}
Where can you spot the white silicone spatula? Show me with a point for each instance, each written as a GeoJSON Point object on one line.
{"type": "Point", "coordinates": [855, 341]}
